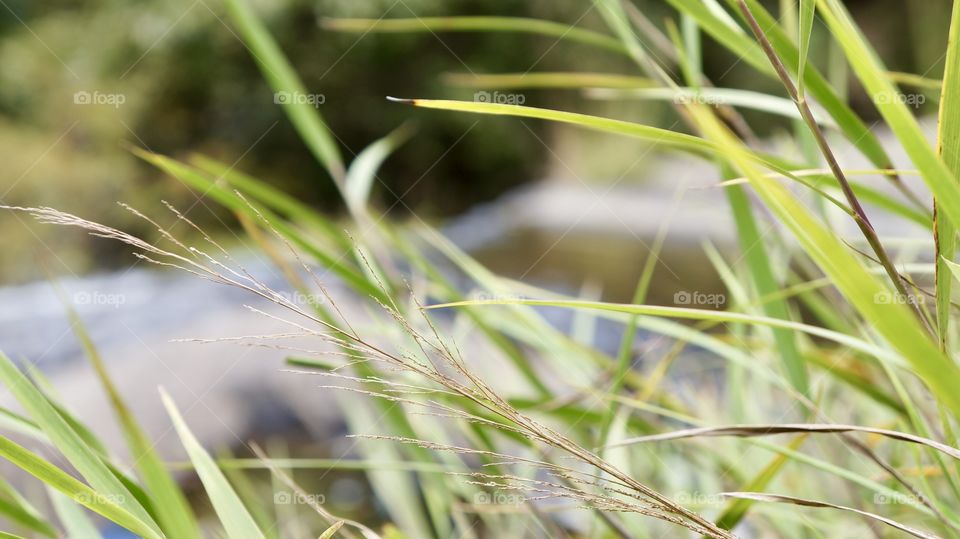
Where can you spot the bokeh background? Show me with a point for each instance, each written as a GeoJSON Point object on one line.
{"type": "Point", "coordinates": [189, 85]}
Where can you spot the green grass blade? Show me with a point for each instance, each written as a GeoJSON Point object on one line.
{"type": "Point", "coordinates": [97, 502]}
{"type": "Point", "coordinates": [74, 521]}
{"type": "Point", "coordinates": [855, 130]}
{"type": "Point", "coordinates": [894, 321]}
{"type": "Point", "coordinates": [808, 9]}
{"type": "Point", "coordinates": [197, 180]}
{"type": "Point", "coordinates": [14, 513]}
{"type": "Point", "coordinates": [285, 83]}
{"type": "Point", "coordinates": [761, 271]}
{"type": "Point", "coordinates": [233, 515]}
{"type": "Point", "coordinates": [948, 146]}
{"type": "Point", "coordinates": [652, 134]}
{"type": "Point", "coordinates": [85, 459]}
{"type": "Point", "coordinates": [363, 169]}
{"type": "Point", "coordinates": [543, 79]}
{"type": "Point", "coordinates": [477, 24]}
{"type": "Point", "coordinates": [173, 511]}
{"type": "Point", "coordinates": [889, 102]}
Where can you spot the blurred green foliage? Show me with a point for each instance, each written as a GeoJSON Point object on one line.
{"type": "Point", "coordinates": [188, 84]}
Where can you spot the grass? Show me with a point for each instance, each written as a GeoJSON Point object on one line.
{"type": "Point", "coordinates": [499, 424]}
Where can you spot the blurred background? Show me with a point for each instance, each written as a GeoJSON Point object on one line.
{"type": "Point", "coordinates": [189, 85]}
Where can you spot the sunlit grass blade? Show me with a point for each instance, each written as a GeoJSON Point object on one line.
{"type": "Point", "coordinates": [290, 92]}
{"type": "Point", "coordinates": [739, 42]}
{"type": "Point", "coordinates": [477, 24]}
{"type": "Point", "coordinates": [865, 63]}
{"type": "Point", "coordinates": [948, 146]}
{"type": "Point", "coordinates": [71, 515]}
{"type": "Point", "coordinates": [777, 498]}
{"type": "Point", "coordinates": [85, 459]}
{"type": "Point", "coordinates": [233, 515]}
{"type": "Point", "coordinates": [363, 170]}
{"type": "Point", "coordinates": [17, 513]}
{"type": "Point", "coordinates": [541, 79]}
{"type": "Point", "coordinates": [621, 310]}
{"type": "Point", "coordinates": [734, 513]}
{"type": "Point", "coordinates": [208, 186]}
{"type": "Point", "coordinates": [746, 431]}
{"type": "Point", "coordinates": [98, 502]}
{"type": "Point", "coordinates": [808, 9]}
{"type": "Point", "coordinates": [656, 135]}
{"type": "Point", "coordinates": [716, 96]}
{"type": "Point", "coordinates": [894, 321]}
{"type": "Point", "coordinates": [173, 511]}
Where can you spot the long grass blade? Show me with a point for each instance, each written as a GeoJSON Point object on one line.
{"type": "Point", "coordinates": [233, 515]}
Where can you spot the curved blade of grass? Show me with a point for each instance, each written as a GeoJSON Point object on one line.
{"type": "Point", "coordinates": [233, 515]}
{"type": "Point", "coordinates": [542, 79]}
{"type": "Point", "coordinates": [865, 63]}
{"type": "Point", "coordinates": [855, 130]}
{"type": "Point", "coordinates": [97, 502]}
{"type": "Point", "coordinates": [894, 321]}
{"type": "Point", "coordinates": [737, 509]}
{"type": "Point", "coordinates": [779, 498]}
{"type": "Point", "coordinates": [714, 96]}
{"type": "Point", "coordinates": [173, 511]}
{"type": "Point", "coordinates": [608, 125]}
{"type": "Point", "coordinates": [808, 9]}
{"type": "Point", "coordinates": [85, 459]}
{"type": "Point", "coordinates": [284, 81]}
{"type": "Point", "coordinates": [273, 198]}
{"type": "Point", "coordinates": [948, 147]}
{"type": "Point", "coordinates": [74, 521]}
{"type": "Point", "coordinates": [690, 314]}
{"type": "Point", "coordinates": [197, 180]}
{"type": "Point", "coordinates": [761, 271]}
{"type": "Point", "coordinates": [477, 24]}
{"type": "Point", "coordinates": [363, 169]}
{"type": "Point", "coordinates": [332, 530]}
{"type": "Point", "coordinates": [13, 512]}
{"type": "Point", "coordinates": [748, 431]}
